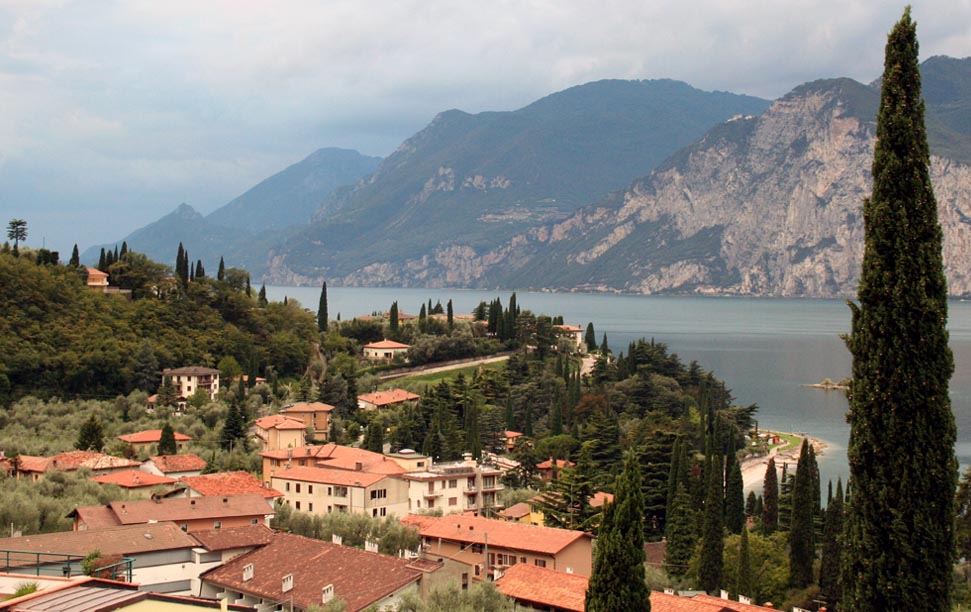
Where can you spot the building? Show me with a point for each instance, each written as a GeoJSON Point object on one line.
{"type": "Point", "coordinates": [385, 350]}
{"type": "Point", "coordinates": [147, 441]}
{"type": "Point", "coordinates": [279, 431]}
{"type": "Point", "coordinates": [391, 398]}
{"type": "Point", "coordinates": [324, 490]}
{"type": "Point", "coordinates": [190, 514]}
{"type": "Point", "coordinates": [222, 484]}
{"type": "Point", "coordinates": [313, 414]}
{"type": "Point", "coordinates": [574, 333]}
{"type": "Point", "coordinates": [174, 466]}
{"type": "Point", "coordinates": [190, 379]}
{"type": "Point", "coordinates": [328, 455]}
{"type": "Point", "coordinates": [463, 538]}
{"type": "Point", "coordinates": [540, 588]}
{"type": "Point", "coordinates": [511, 438]}
{"type": "Point", "coordinates": [34, 468]}
{"type": "Point", "coordinates": [452, 487]}
{"type": "Point", "coordinates": [298, 572]}
{"type": "Point", "coordinates": [548, 469]}
{"type": "Point", "coordinates": [139, 484]}
{"type": "Point", "coordinates": [96, 278]}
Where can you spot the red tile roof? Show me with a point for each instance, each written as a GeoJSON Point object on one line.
{"type": "Point", "coordinates": [228, 483]}
{"type": "Point", "coordinates": [516, 511]}
{"type": "Point", "coordinates": [386, 398]}
{"type": "Point", "coordinates": [387, 344]}
{"type": "Point", "coordinates": [505, 534]}
{"type": "Point", "coordinates": [178, 509]}
{"type": "Point", "coordinates": [513, 434]}
{"type": "Point", "coordinates": [548, 464]}
{"type": "Point", "coordinates": [186, 462]}
{"type": "Point", "coordinates": [94, 272]}
{"type": "Point", "coordinates": [735, 606]}
{"type": "Point", "coordinates": [569, 328]}
{"type": "Point", "coordinates": [339, 457]}
{"type": "Point", "coordinates": [359, 578]}
{"type": "Point", "coordinates": [228, 538]}
{"type": "Point", "coordinates": [343, 478]}
{"type": "Point", "coordinates": [115, 540]}
{"type": "Point", "coordinates": [133, 479]}
{"type": "Point", "coordinates": [149, 436]}
{"type": "Point", "coordinates": [308, 407]}
{"type": "Point", "coordinates": [73, 460]}
{"type": "Point", "coordinates": [279, 421]}
{"type": "Point", "coordinates": [546, 587]}
{"type": "Point", "coordinates": [600, 498]}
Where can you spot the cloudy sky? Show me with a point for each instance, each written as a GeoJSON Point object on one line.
{"type": "Point", "coordinates": [112, 113]}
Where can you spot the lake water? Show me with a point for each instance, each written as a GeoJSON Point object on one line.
{"type": "Point", "coordinates": [764, 349]}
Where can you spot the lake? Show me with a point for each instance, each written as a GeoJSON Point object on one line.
{"type": "Point", "coordinates": [765, 349]}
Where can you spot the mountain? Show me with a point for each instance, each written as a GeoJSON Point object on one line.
{"type": "Point", "coordinates": [291, 196]}
{"type": "Point", "coordinates": [243, 230]}
{"type": "Point", "coordinates": [467, 183]}
{"type": "Point", "coordinates": [767, 205]}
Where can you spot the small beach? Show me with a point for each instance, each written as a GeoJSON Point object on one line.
{"type": "Point", "coordinates": [753, 469]}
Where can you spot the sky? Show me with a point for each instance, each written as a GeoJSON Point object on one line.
{"type": "Point", "coordinates": [112, 113]}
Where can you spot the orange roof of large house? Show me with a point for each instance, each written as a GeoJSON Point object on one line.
{"type": "Point", "coordinates": [321, 475]}
{"type": "Point", "coordinates": [133, 479]}
{"type": "Point", "coordinates": [546, 587]}
{"type": "Point", "coordinates": [94, 272]}
{"type": "Point", "coordinates": [339, 457]}
{"type": "Point", "coordinates": [569, 328]}
{"type": "Point", "coordinates": [308, 407]}
{"type": "Point", "coordinates": [717, 604]}
{"type": "Point", "coordinates": [359, 578]}
{"type": "Point", "coordinates": [186, 462]}
{"type": "Point", "coordinates": [387, 344]}
{"type": "Point", "coordinates": [513, 434]}
{"type": "Point", "coordinates": [279, 421]}
{"type": "Point", "coordinates": [178, 509]}
{"type": "Point", "coordinates": [516, 511]}
{"type": "Point", "coordinates": [119, 539]}
{"type": "Point", "coordinates": [600, 498]}
{"type": "Point", "coordinates": [73, 460]}
{"type": "Point", "coordinates": [228, 483]}
{"type": "Point", "coordinates": [505, 534]}
{"type": "Point", "coordinates": [149, 436]}
{"type": "Point", "coordinates": [548, 464]}
{"type": "Point", "coordinates": [386, 398]}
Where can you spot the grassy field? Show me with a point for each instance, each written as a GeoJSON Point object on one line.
{"type": "Point", "coordinates": [436, 377]}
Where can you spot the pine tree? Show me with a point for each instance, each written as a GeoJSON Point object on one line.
{"type": "Point", "coordinates": [75, 257]}
{"type": "Point", "coordinates": [734, 495]}
{"type": "Point", "coordinates": [829, 567]}
{"type": "Point", "coordinates": [617, 583]}
{"type": "Point", "coordinates": [322, 318]}
{"type": "Point", "coordinates": [91, 436]}
{"type": "Point", "coordinates": [785, 498]}
{"type": "Point", "coordinates": [712, 534]}
{"type": "Point", "coordinates": [145, 367]}
{"type": "Point", "coordinates": [166, 441]}
{"type": "Point", "coordinates": [590, 338]}
{"type": "Point", "coordinates": [802, 544]}
{"type": "Point", "coordinates": [167, 394]}
{"type": "Point", "coordinates": [899, 535]}
{"type": "Point", "coordinates": [221, 272]}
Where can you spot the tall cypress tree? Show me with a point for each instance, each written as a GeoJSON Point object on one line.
{"type": "Point", "coordinates": [745, 580]}
{"type": "Point", "coordinates": [734, 495]}
{"type": "Point", "coordinates": [75, 257]}
{"type": "Point", "coordinates": [617, 583]}
{"type": "Point", "coordinates": [166, 441]}
{"type": "Point", "coordinates": [802, 544]}
{"type": "Point", "coordinates": [450, 316]}
{"type": "Point", "coordinates": [393, 319]}
{"type": "Point", "coordinates": [322, 317]}
{"type": "Point", "coordinates": [829, 567]}
{"type": "Point", "coordinates": [680, 532]}
{"type": "Point", "coordinates": [770, 499]}
{"type": "Point", "coordinates": [221, 272]}
{"type": "Point", "coordinates": [590, 337]}
{"type": "Point", "coordinates": [899, 535]}
{"type": "Point", "coordinates": [712, 535]}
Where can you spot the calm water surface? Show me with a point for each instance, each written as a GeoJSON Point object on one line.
{"type": "Point", "coordinates": [765, 349]}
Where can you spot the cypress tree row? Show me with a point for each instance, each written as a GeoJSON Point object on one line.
{"type": "Point", "coordinates": [829, 567]}
{"type": "Point", "coordinates": [899, 534]}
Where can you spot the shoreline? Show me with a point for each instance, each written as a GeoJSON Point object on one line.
{"type": "Point", "coordinates": [753, 469]}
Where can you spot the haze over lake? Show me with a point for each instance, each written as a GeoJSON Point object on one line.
{"type": "Point", "coordinates": [764, 349]}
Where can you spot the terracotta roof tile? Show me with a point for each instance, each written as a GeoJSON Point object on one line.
{"type": "Point", "coordinates": [389, 397]}
{"type": "Point", "coordinates": [387, 344]}
{"type": "Point", "coordinates": [228, 483]}
{"type": "Point", "coordinates": [186, 462]}
{"type": "Point", "coordinates": [308, 407]}
{"type": "Point", "coordinates": [546, 587]}
{"type": "Point", "coordinates": [343, 478]}
{"type": "Point", "coordinates": [339, 457]}
{"type": "Point", "coordinates": [228, 538]}
{"type": "Point", "coordinates": [73, 460]}
{"type": "Point", "coordinates": [516, 511]}
{"type": "Point", "coordinates": [114, 540]}
{"type": "Point", "coordinates": [279, 421]}
{"type": "Point", "coordinates": [506, 534]}
{"type": "Point", "coordinates": [95, 517]}
{"type": "Point", "coordinates": [133, 479]}
{"type": "Point", "coordinates": [548, 464]}
{"type": "Point", "coordinates": [178, 509]}
{"type": "Point", "coordinates": [149, 436]}
{"type": "Point", "coordinates": [359, 578]}
{"type": "Point", "coordinates": [726, 604]}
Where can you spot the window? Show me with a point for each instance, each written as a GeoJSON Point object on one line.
{"type": "Point", "coordinates": [522, 559]}
{"type": "Point", "coordinates": [217, 524]}
{"type": "Point", "coordinates": [452, 484]}
{"type": "Point", "coordinates": [298, 505]}
{"type": "Point", "coordinates": [310, 489]}
{"type": "Point", "coordinates": [185, 526]}
{"type": "Point", "coordinates": [310, 507]}
{"type": "Point", "coordinates": [470, 483]}
{"type": "Point", "coordinates": [384, 512]}
{"type": "Point", "coordinates": [379, 494]}
{"type": "Point", "coordinates": [254, 521]}
{"type": "Point", "coordinates": [540, 562]}
{"type": "Point", "coordinates": [288, 487]}
{"type": "Point", "coordinates": [298, 487]}
{"type": "Point", "coordinates": [453, 501]}
{"type": "Point", "coordinates": [340, 491]}
{"type": "Point", "coordinates": [477, 549]}
{"type": "Point", "coordinates": [329, 491]}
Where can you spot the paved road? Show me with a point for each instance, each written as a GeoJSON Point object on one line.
{"type": "Point", "coordinates": [444, 368]}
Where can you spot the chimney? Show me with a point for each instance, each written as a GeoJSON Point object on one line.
{"type": "Point", "coordinates": [225, 500]}
{"type": "Point", "coordinates": [358, 466]}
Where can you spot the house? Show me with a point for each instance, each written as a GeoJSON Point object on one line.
{"type": "Point", "coordinates": [190, 514]}
{"type": "Point", "coordinates": [385, 350]}
{"type": "Point", "coordinates": [230, 542]}
{"type": "Point", "coordinates": [96, 278]}
{"type": "Point", "coordinates": [517, 512]}
{"type": "Point", "coordinates": [174, 466]}
{"type": "Point", "coordinates": [147, 441]}
{"type": "Point", "coordinates": [139, 484]}
{"type": "Point", "coordinates": [162, 555]}
{"type": "Point", "coordinates": [279, 431]}
{"type": "Point", "coordinates": [328, 455]}
{"type": "Point", "coordinates": [540, 588]}
{"type": "Point", "coordinates": [222, 484]}
{"type": "Point", "coordinates": [313, 414]}
{"type": "Point", "coordinates": [302, 573]}
{"type": "Point", "coordinates": [511, 438]}
{"type": "Point", "coordinates": [574, 333]}
{"type": "Point", "coordinates": [536, 516]}
{"type": "Point", "coordinates": [324, 490]}
{"type": "Point", "coordinates": [87, 594]}
{"type": "Point", "coordinates": [34, 468]}
{"type": "Point", "coordinates": [452, 487]}
{"type": "Point", "coordinates": [409, 460]}
{"type": "Point", "coordinates": [391, 398]}
{"type": "Point", "coordinates": [463, 538]}
{"type": "Point", "coordinates": [548, 469]}
{"type": "Point", "coordinates": [190, 379]}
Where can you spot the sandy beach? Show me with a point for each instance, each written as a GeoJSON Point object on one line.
{"type": "Point", "coordinates": [753, 469]}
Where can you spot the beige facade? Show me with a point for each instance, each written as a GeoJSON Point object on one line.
{"type": "Point", "coordinates": [386, 350]}
{"type": "Point", "coordinates": [454, 487]}
{"type": "Point", "coordinates": [322, 491]}
{"type": "Point", "coordinates": [189, 380]}
{"type": "Point", "coordinates": [313, 414]}
{"type": "Point", "coordinates": [278, 431]}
